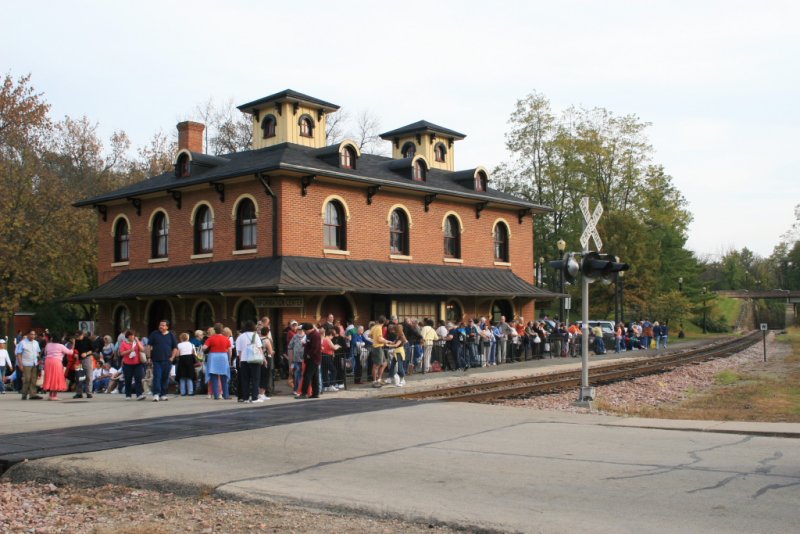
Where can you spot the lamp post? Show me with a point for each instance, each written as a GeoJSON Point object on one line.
{"type": "Point", "coordinates": [619, 308]}
{"type": "Point", "coordinates": [705, 292]}
{"type": "Point", "coordinates": [680, 284]}
{"type": "Point", "coordinates": [541, 271]}
{"type": "Point", "coordinates": [562, 246]}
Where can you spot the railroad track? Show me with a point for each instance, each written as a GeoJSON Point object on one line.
{"type": "Point", "coordinates": [555, 382]}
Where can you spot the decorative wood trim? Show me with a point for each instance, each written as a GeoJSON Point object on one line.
{"type": "Point", "coordinates": [256, 114]}
{"type": "Point", "coordinates": [522, 213]}
{"type": "Point", "coordinates": [397, 142]}
{"type": "Point", "coordinates": [371, 192]}
{"type": "Point", "coordinates": [266, 181]}
{"type": "Point", "coordinates": [136, 203]}
{"type": "Point", "coordinates": [336, 252]}
{"type": "Point", "coordinates": [157, 260]}
{"type": "Point", "coordinates": [102, 209]}
{"type": "Point", "coordinates": [279, 108]}
{"type": "Point", "coordinates": [429, 200]}
{"type": "Point", "coordinates": [219, 187]}
{"type": "Point", "coordinates": [177, 196]}
{"type": "Point", "coordinates": [453, 260]}
{"type": "Point", "coordinates": [306, 181]}
{"type": "Point", "coordinates": [245, 251]}
{"type": "Point", "coordinates": [295, 108]}
{"type": "Point", "coordinates": [479, 208]}
{"type": "Point", "coordinates": [320, 114]}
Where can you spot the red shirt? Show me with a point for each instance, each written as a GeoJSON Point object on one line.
{"type": "Point", "coordinates": [132, 358]}
{"type": "Point", "coordinates": [218, 343]}
{"type": "Point", "coordinates": [327, 347]}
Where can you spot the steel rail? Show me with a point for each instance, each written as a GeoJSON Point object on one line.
{"type": "Point", "coordinates": [554, 382]}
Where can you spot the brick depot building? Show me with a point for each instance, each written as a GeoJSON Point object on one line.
{"type": "Point", "coordinates": [295, 229]}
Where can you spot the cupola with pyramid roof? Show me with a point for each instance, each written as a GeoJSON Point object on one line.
{"type": "Point", "coordinates": [434, 143]}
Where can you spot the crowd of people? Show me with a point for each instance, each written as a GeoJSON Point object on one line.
{"type": "Point", "coordinates": [316, 357]}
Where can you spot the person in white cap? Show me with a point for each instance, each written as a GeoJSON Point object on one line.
{"type": "Point", "coordinates": [5, 365]}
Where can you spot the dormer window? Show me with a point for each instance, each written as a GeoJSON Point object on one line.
{"type": "Point", "coordinates": [347, 158]}
{"type": "Point", "coordinates": [409, 150]}
{"type": "Point", "coordinates": [306, 126]}
{"type": "Point", "coordinates": [182, 169]}
{"type": "Point", "coordinates": [440, 152]}
{"type": "Point", "coordinates": [268, 126]}
{"type": "Point", "coordinates": [419, 171]}
{"type": "Point", "coordinates": [480, 182]}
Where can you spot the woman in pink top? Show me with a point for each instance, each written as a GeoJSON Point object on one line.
{"type": "Point", "coordinates": [54, 353]}
{"type": "Point", "coordinates": [131, 350]}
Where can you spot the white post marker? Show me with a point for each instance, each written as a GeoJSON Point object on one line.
{"type": "Point", "coordinates": [764, 332]}
{"type": "Point", "coordinates": [590, 221]}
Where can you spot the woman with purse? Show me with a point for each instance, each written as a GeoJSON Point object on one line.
{"type": "Point", "coordinates": [219, 362]}
{"type": "Point", "coordinates": [132, 352]}
{"type": "Point", "coordinates": [251, 358]}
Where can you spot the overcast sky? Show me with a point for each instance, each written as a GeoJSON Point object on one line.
{"type": "Point", "coordinates": [719, 81]}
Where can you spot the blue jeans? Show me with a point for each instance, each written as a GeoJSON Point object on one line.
{"type": "Point", "coordinates": [298, 374]}
{"type": "Point", "coordinates": [131, 372]}
{"type": "Point", "coordinates": [646, 342]}
{"type": "Point", "coordinates": [187, 386]}
{"type": "Point", "coordinates": [619, 344]}
{"type": "Point", "coordinates": [161, 377]}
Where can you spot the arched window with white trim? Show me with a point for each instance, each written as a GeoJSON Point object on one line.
{"type": "Point", "coordinates": [203, 231]}
{"type": "Point", "coordinates": [335, 226]}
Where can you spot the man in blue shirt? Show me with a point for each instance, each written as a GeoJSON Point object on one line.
{"type": "Point", "coordinates": [162, 348]}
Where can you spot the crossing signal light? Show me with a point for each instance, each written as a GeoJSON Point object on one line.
{"type": "Point", "coordinates": [568, 265]}
{"type": "Point", "coordinates": [597, 266]}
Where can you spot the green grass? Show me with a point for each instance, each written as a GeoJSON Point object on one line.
{"type": "Point", "coordinates": [726, 378]}
{"type": "Point", "coordinates": [729, 308]}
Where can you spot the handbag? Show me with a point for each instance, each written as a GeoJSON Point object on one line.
{"type": "Point", "coordinates": [80, 375]}
{"type": "Point", "coordinates": [255, 354]}
{"type": "Point", "coordinates": [142, 357]}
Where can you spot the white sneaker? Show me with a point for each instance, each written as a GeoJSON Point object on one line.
{"type": "Point", "coordinates": [155, 398]}
{"type": "Point", "coordinates": [127, 398]}
{"type": "Point", "coordinates": [340, 386]}
{"type": "Point", "coordinates": [403, 382]}
{"type": "Point", "coordinates": [387, 380]}
{"type": "Point", "coordinates": [255, 401]}
{"type": "Point", "coordinates": [263, 397]}
{"type": "Point", "coordinates": [115, 392]}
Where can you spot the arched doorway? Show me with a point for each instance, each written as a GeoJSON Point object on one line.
{"type": "Point", "coordinates": [337, 305]}
{"type": "Point", "coordinates": [245, 312]}
{"type": "Point", "coordinates": [453, 312]}
{"type": "Point", "coordinates": [122, 320]}
{"type": "Point", "coordinates": [203, 316]}
{"type": "Point", "coordinates": [502, 308]}
{"type": "Point", "coordinates": [159, 310]}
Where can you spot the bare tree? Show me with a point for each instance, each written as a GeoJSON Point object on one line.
{"type": "Point", "coordinates": [336, 126]}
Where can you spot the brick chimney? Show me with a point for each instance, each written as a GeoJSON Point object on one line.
{"type": "Point", "coordinates": [190, 136]}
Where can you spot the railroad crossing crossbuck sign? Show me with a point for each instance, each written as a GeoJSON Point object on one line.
{"type": "Point", "coordinates": [591, 224]}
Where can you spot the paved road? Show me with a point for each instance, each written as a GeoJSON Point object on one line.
{"type": "Point", "coordinates": [492, 467]}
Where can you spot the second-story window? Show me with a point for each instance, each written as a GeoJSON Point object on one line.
{"type": "Point", "coordinates": [246, 224]}
{"type": "Point", "coordinates": [334, 226]}
{"type": "Point", "coordinates": [203, 231]}
{"type": "Point", "coordinates": [398, 233]}
{"type": "Point", "coordinates": [452, 237]}
{"type": "Point", "coordinates": [121, 250]}
{"type": "Point", "coordinates": [501, 242]}
{"type": "Point", "coordinates": [480, 182]}
{"type": "Point", "coordinates": [409, 150]}
{"type": "Point", "coordinates": [159, 238]}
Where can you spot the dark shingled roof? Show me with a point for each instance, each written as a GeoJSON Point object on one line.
{"type": "Point", "coordinates": [291, 274]}
{"type": "Point", "coordinates": [370, 169]}
{"type": "Point", "coordinates": [290, 95]}
{"type": "Point", "coordinates": [422, 126]}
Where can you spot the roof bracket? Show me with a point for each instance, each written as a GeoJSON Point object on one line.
{"type": "Point", "coordinates": [371, 192]}
{"type": "Point", "coordinates": [295, 108]}
{"type": "Point", "coordinates": [256, 114]}
{"type": "Point", "coordinates": [450, 143]}
{"type": "Point", "coordinates": [267, 183]}
{"type": "Point", "coordinates": [522, 213]}
{"type": "Point", "coordinates": [177, 196]}
{"type": "Point", "coordinates": [429, 200]}
{"type": "Point", "coordinates": [320, 114]}
{"type": "Point", "coordinates": [220, 189]}
{"type": "Point", "coordinates": [102, 209]}
{"type": "Point", "coordinates": [433, 137]}
{"type": "Point", "coordinates": [479, 207]}
{"type": "Point", "coordinates": [419, 139]}
{"type": "Point", "coordinates": [397, 142]}
{"type": "Point", "coordinates": [305, 181]}
{"type": "Point", "coordinates": [136, 203]}
{"type": "Point", "coordinates": [279, 108]}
